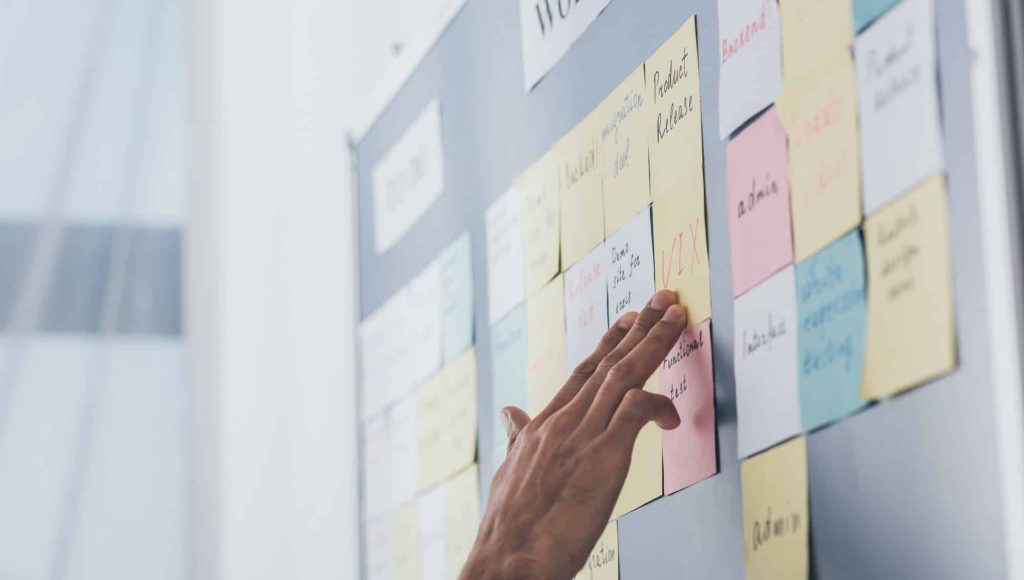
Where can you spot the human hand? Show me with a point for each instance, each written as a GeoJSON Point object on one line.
{"type": "Point", "coordinates": [552, 497]}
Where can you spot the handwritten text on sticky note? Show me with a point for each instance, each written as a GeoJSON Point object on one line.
{"type": "Point", "coordinates": [751, 60]}
{"type": "Point", "coordinates": [586, 306]}
{"type": "Point", "coordinates": [629, 261]}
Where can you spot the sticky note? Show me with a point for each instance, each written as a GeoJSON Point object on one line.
{"type": "Point", "coordinates": [897, 74]}
{"type": "Point", "coordinates": [603, 561]}
{"type": "Point", "coordinates": [757, 181]}
{"type": "Point", "coordinates": [538, 186]}
{"type": "Point", "coordinates": [643, 480]}
{"type": "Point", "coordinates": [547, 30]}
{"type": "Point", "coordinates": [506, 284]}
{"type": "Point", "coordinates": [379, 549]}
{"type": "Point", "coordinates": [776, 517]}
{"type": "Point", "coordinates": [674, 135]}
{"type": "Point", "coordinates": [446, 420]}
{"type": "Point", "coordinates": [765, 355]}
{"type": "Point", "coordinates": [866, 11]}
{"type": "Point", "coordinates": [376, 467]}
{"type": "Point", "coordinates": [545, 345]}
{"type": "Point", "coordinates": [911, 335]}
{"type": "Point", "coordinates": [579, 186]}
{"type": "Point", "coordinates": [431, 521]}
{"type": "Point", "coordinates": [405, 543]}
{"type": "Point", "coordinates": [586, 306]}
{"type": "Point", "coordinates": [463, 518]}
{"type": "Point", "coordinates": [824, 155]}
{"type": "Point", "coordinates": [508, 367]}
{"type": "Point", "coordinates": [629, 261]}
{"type": "Point", "coordinates": [812, 31]}
{"type": "Point", "coordinates": [404, 443]}
{"type": "Point", "coordinates": [750, 74]}
{"type": "Point", "coordinates": [681, 254]}
{"type": "Point", "coordinates": [687, 378]}
{"type": "Point", "coordinates": [408, 178]}
{"type": "Point", "coordinates": [625, 175]}
{"type": "Point", "coordinates": [456, 298]}
{"type": "Point", "coordinates": [832, 311]}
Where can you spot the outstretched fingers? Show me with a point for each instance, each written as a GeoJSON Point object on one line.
{"type": "Point", "coordinates": [637, 409]}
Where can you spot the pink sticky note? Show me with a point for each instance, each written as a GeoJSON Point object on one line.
{"type": "Point", "coordinates": [758, 184]}
{"type": "Point", "coordinates": [689, 451]}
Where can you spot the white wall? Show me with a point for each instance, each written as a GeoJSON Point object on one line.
{"type": "Point", "coordinates": [271, 289]}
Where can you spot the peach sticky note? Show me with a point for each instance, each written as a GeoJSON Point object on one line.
{"type": "Point", "coordinates": [579, 186]}
{"type": "Point", "coordinates": [776, 518]}
{"type": "Point", "coordinates": [687, 377]}
{"type": "Point", "coordinates": [824, 157]}
{"type": "Point", "coordinates": [625, 175]}
{"type": "Point", "coordinates": [812, 30]}
{"type": "Point", "coordinates": [674, 135]}
{"type": "Point", "coordinates": [538, 187]}
{"type": "Point", "coordinates": [446, 420]}
{"type": "Point", "coordinates": [681, 254]}
{"type": "Point", "coordinates": [603, 562]}
{"type": "Point", "coordinates": [545, 345]}
{"type": "Point", "coordinates": [757, 181]}
{"type": "Point", "coordinates": [911, 335]}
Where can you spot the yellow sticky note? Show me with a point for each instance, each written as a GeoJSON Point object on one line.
{"type": "Point", "coordinates": [625, 174]}
{"type": "Point", "coordinates": [545, 345]}
{"type": "Point", "coordinates": [538, 187]}
{"type": "Point", "coordinates": [775, 513]}
{"type": "Point", "coordinates": [820, 115]}
{"type": "Point", "coordinates": [812, 30]}
{"type": "Point", "coordinates": [579, 186]}
{"type": "Point", "coordinates": [674, 135]}
{"type": "Point", "coordinates": [446, 420]}
{"type": "Point", "coordinates": [405, 542]}
{"type": "Point", "coordinates": [911, 336]}
{"type": "Point", "coordinates": [644, 479]}
{"type": "Point", "coordinates": [603, 562]}
{"type": "Point", "coordinates": [463, 495]}
{"type": "Point", "coordinates": [681, 253]}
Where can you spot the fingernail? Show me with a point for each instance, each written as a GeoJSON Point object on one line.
{"type": "Point", "coordinates": [663, 300]}
{"type": "Point", "coordinates": [627, 320]}
{"type": "Point", "coordinates": [505, 423]}
{"type": "Point", "coordinates": [673, 314]}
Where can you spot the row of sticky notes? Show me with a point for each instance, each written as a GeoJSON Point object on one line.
{"type": "Point", "coordinates": [428, 538]}
{"type": "Point", "coordinates": [425, 324]}
{"type": "Point", "coordinates": [587, 233]}
{"type": "Point", "coordinates": [421, 440]}
{"type": "Point", "coordinates": [815, 341]}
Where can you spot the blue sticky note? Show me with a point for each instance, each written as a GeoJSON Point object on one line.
{"type": "Point", "coordinates": [830, 340]}
{"type": "Point", "coordinates": [508, 367]}
{"type": "Point", "coordinates": [866, 11]}
{"type": "Point", "coordinates": [456, 299]}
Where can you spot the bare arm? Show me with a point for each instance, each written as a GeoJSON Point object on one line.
{"type": "Point", "coordinates": [554, 494]}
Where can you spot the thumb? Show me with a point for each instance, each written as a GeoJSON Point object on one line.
{"type": "Point", "coordinates": [514, 419]}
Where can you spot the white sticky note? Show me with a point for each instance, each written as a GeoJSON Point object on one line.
{"type": "Point", "coordinates": [901, 136]}
{"type": "Point", "coordinates": [404, 444]}
{"type": "Point", "coordinates": [751, 60]}
{"type": "Point", "coordinates": [432, 518]}
{"type": "Point", "coordinates": [379, 558]}
{"type": "Point", "coordinates": [408, 178]}
{"type": "Point", "coordinates": [421, 355]}
{"type": "Point", "coordinates": [505, 280]}
{"type": "Point", "coordinates": [629, 255]}
{"type": "Point", "coordinates": [376, 467]}
{"type": "Point", "coordinates": [586, 306]}
{"type": "Point", "coordinates": [765, 355]}
{"type": "Point", "coordinates": [548, 28]}
{"type": "Point", "coordinates": [378, 346]}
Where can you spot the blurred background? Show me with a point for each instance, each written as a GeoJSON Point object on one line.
{"type": "Point", "coordinates": [177, 283]}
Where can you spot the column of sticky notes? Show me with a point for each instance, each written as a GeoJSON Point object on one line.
{"type": "Point", "coordinates": [839, 234]}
